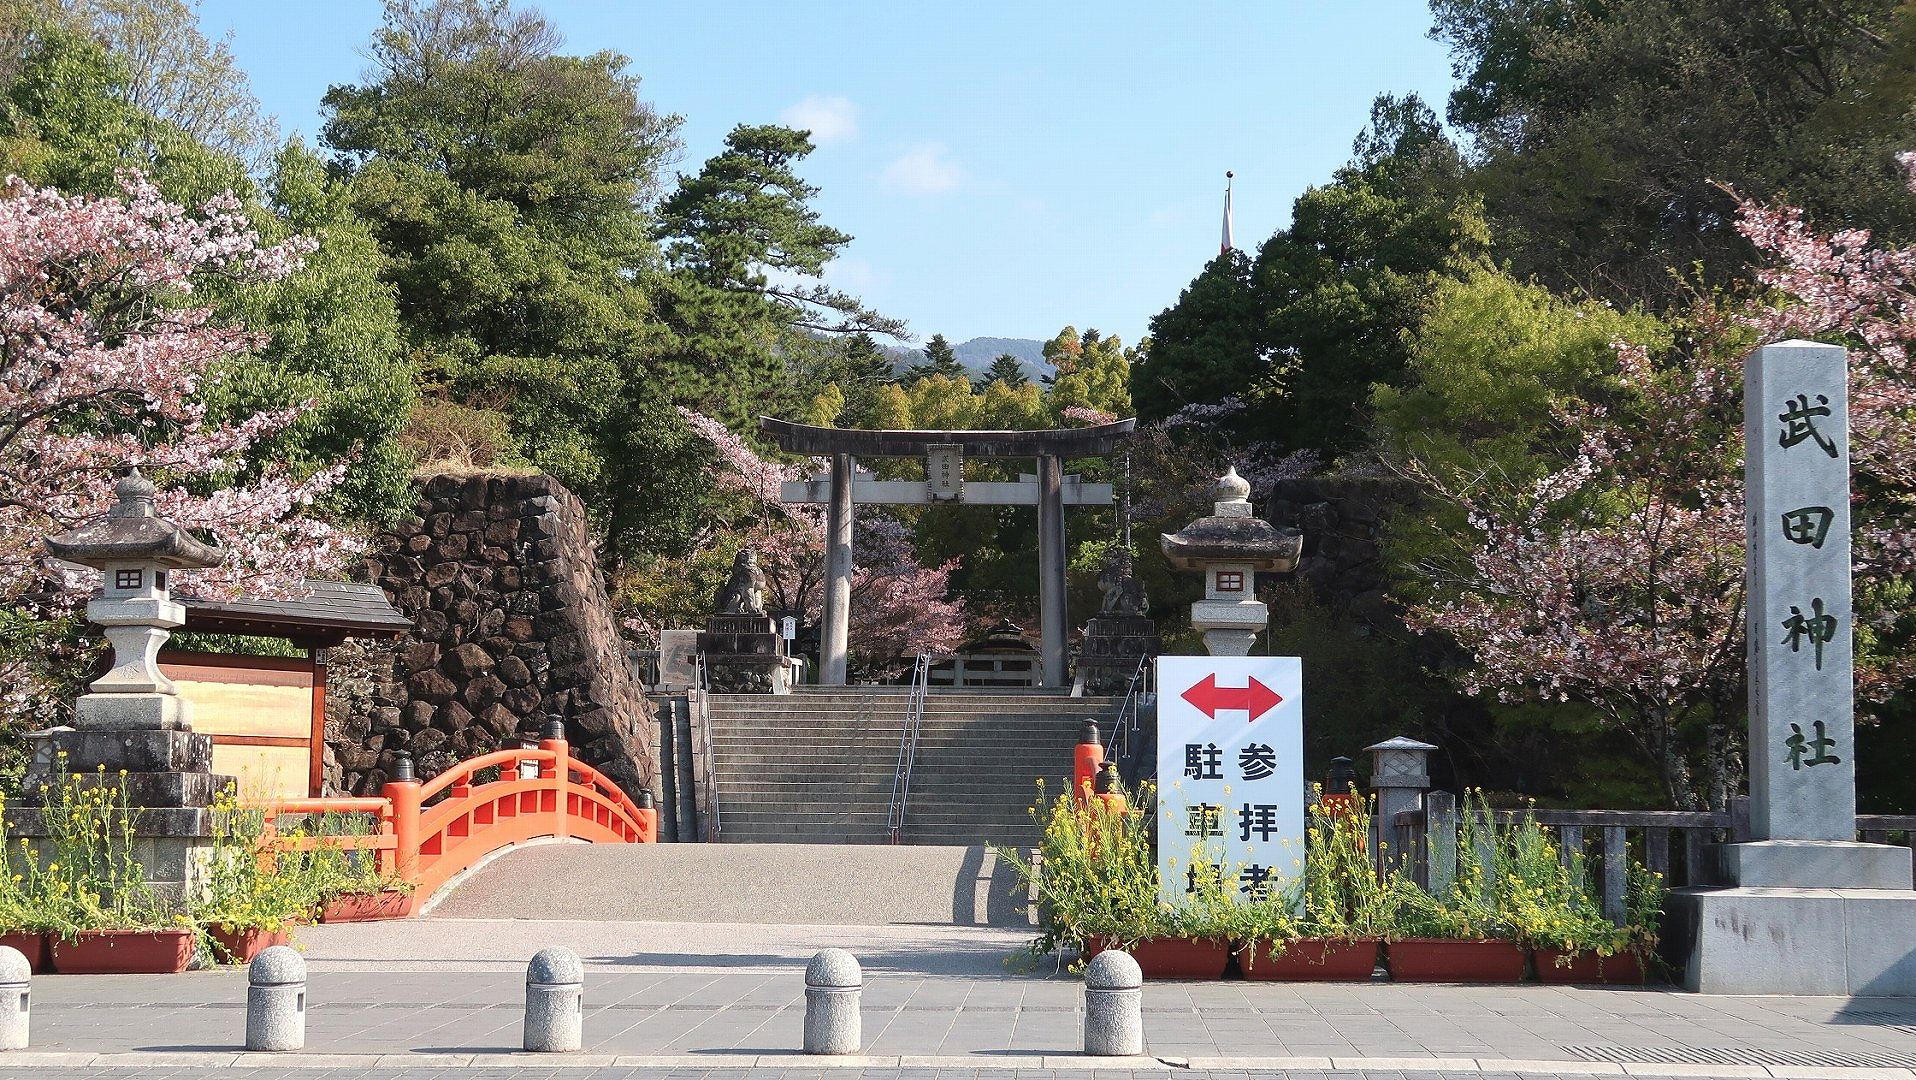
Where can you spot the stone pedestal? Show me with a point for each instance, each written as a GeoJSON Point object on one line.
{"type": "Point", "coordinates": [744, 655]}
{"type": "Point", "coordinates": [169, 782]}
{"type": "Point", "coordinates": [1796, 941]}
{"type": "Point", "coordinates": [1112, 647]}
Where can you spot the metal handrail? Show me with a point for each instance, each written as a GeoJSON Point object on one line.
{"type": "Point", "coordinates": [1128, 712]}
{"type": "Point", "coordinates": [908, 744]}
{"type": "Point", "coordinates": [709, 757]}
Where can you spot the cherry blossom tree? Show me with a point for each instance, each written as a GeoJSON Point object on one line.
{"type": "Point", "coordinates": [1618, 580]}
{"type": "Point", "coordinates": [100, 358]}
{"type": "Point", "coordinates": [102, 354]}
{"type": "Point", "coordinates": [898, 606]}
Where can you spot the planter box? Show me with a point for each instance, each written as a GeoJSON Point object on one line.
{"type": "Point", "coordinates": [1173, 958]}
{"type": "Point", "coordinates": [1624, 969]}
{"type": "Point", "coordinates": [125, 952]}
{"type": "Point", "coordinates": [1448, 960]}
{"type": "Point", "coordinates": [1311, 960]}
{"type": "Point", "coordinates": [366, 907]}
{"type": "Point", "coordinates": [34, 946]}
{"type": "Point", "coordinates": [240, 946]}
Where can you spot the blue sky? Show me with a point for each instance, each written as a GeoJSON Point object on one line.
{"type": "Point", "coordinates": [1006, 168]}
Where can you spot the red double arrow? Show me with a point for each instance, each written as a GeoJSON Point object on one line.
{"type": "Point", "coordinates": [1210, 698]}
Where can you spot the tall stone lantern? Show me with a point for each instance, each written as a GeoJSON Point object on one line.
{"type": "Point", "coordinates": [1229, 547]}
{"type": "Point", "coordinates": [133, 724]}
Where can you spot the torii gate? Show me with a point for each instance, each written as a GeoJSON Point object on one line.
{"type": "Point", "coordinates": [944, 453]}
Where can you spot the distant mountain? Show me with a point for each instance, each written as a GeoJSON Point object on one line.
{"type": "Point", "coordinates": [978, 353]}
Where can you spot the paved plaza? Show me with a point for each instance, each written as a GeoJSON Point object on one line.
{"type": "Point", "coordinates": [668, 1000]}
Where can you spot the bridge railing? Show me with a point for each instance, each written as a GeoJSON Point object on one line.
{"type": "Point", "coordinates": [427, 833]}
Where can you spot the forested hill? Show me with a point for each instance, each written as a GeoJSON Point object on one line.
{"type": "Point", "coordinates": [978, 353]}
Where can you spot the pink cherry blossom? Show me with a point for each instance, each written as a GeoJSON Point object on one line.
{"type": "Point", "coordinates": [1617, 581]}
{"type": "Point", "coordinates": [101, 360]}
{"type": "Point", "coordinates": [898, 606]}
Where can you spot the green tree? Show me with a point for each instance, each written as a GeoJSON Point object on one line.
{"type": "Point", "coordinates": [1490, 362]}
{"type": "Point", "coordinates": [504, 180]}
{"type": "Point", "coordinates": [939, 360]}
{"type": "Point", "coordinates": [68, 120]}
{"type": "Point", "coordinates": [1344, 285]}
{"type": "Point", "coordinates": [1605, 129]}
{"type": "Point", "coordinates": [1207, 346]}
{"type": "Point", "coordinates": [1089, 372]}
{"type": "Point", "coordinates": [1302, 332]}
{"type": "Point", "coordinates": [1007, 369]}
{"type": "Point", "coordinates": [747, 251]}
{"type": "Point", "coordinates": [332, 340]}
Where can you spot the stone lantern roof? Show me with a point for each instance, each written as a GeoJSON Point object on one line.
{"type": "Point", "coordinates": [131, 532]}
{"type": "Point", "coordinates": [1232, 534]}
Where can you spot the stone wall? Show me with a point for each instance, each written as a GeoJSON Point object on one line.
{"type": "Point", "coordinates": [510, 625]}
{"type": "Point", "coordinates": [1342, 519]}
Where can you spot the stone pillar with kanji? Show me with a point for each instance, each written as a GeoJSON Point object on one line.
{"type": "Point", "coordinates": [1809, 910]}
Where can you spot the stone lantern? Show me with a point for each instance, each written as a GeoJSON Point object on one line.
{"type": "Point", "coordinates": [1400, 774]}
{"type": "Point", "coordinates": [1229, 548]}
{"type": "Point", "coordinates": [133, 730]}
{"type": "Point", "coordinates": [134, 550]}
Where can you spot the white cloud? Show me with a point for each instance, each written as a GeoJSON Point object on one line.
{"type": "Point", "coordinates": [830, 119]}
{"type": "Point", "coordinates": [925, 169]}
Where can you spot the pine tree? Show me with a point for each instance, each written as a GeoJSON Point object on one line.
{"type": "Point", "coordinates": [1006, 369]}
{"type": "Point", "coordinates": [940, 359]}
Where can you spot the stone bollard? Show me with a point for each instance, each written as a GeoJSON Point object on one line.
{"type": "Point", "coordinates": [16, 992]}
{"type": "Point", "coordinates": [555, 990]}
{"type": "Point", "coordinates": [833, 986]}
{"type": "Point", "coordinates": [276, 1000]}
{"type": "Point", "coordinates": [1113, 1005]}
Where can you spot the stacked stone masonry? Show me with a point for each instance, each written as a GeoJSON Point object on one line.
{"type": "Point", "coordinates": [1342, 519]}
{"type": "Point", "coordinates": [510, 625]}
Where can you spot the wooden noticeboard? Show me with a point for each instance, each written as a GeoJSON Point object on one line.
{"type": "Point", "coordinates": [266, 714]}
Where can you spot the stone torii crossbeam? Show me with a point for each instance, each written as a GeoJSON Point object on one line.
{"type": "Point", "coordinates": [944, 454]}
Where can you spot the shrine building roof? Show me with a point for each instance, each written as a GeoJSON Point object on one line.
{"type": "Point", "coordinates": [327, 614]}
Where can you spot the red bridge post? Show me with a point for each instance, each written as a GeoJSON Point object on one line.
{"type": "Point", "coordinates": [403, 792]}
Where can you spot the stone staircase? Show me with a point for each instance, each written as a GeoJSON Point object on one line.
{"type": "Point", "coordinates": [816, 766]}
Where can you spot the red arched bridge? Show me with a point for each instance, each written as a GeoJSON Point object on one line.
{"type": "Point", "coordinates": [427, 833]}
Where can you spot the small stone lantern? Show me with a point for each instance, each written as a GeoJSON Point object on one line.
{"type": "Point", "coordinates": [134, 550]}
{"type": "Point", "coordinates": [1229, 548]}
{"type": "Point", "coordinates": [1400, 774]}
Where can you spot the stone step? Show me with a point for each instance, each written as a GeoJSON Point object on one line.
{"type": "Point", "coordinates": [1036, 741]}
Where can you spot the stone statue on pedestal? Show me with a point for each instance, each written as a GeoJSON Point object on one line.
{"type": "Point", "coordinates": [742, 649]}
{"type": "Point", "coordinates": [1123, 595]}
{"type": "Point", "coordinates": [1121, 634]}
{"type": "Point", "coordinates": [744, 591]}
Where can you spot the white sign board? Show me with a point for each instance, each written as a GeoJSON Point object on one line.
{"type": "Point", "coordinates": [1230, 772]}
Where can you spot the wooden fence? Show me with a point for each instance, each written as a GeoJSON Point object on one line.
{"type": "Point", "coordinates": [1678, 844]}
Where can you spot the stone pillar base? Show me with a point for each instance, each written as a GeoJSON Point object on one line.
{"type": "Point", "coordinates": [174, 847]}
{"type": "Point", "coordinates": [131, 712]}
{"type": "Point", "coordinates": [1796, 941]}
{"type": "Point", "coordinates": [1815, 864]}
{"type": "Point", "coordinates": [1229, 642]}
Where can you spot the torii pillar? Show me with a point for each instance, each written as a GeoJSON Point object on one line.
{"type": "Point", "coordinates": [944, 453]}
